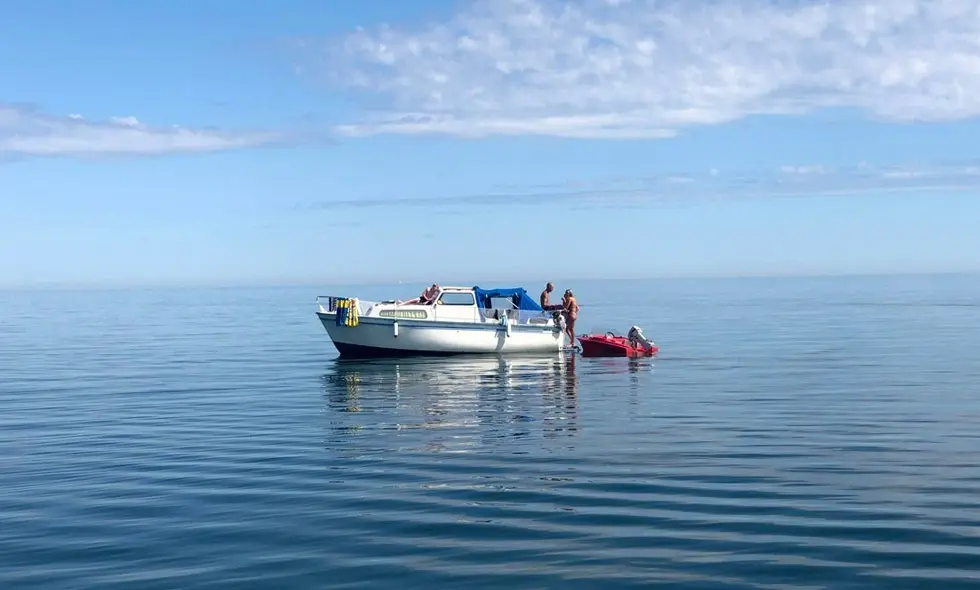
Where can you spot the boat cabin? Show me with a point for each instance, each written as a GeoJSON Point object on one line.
{"type": "Point", "coordinates": [469, 304]}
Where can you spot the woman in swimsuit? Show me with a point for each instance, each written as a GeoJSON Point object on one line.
{"type": "Point", "coordinates": [570, 309]}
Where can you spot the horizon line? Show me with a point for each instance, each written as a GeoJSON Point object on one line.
{"type": "Point", "coordinates": [259, 284]}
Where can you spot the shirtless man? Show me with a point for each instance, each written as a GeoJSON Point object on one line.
{"type": "Point", "coordinates": [427, 297]}
{"type": "Point", "coordinates": [546, 298]}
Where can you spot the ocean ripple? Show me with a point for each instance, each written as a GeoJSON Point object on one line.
{"type": "Point", "coordinates": [788, 436]}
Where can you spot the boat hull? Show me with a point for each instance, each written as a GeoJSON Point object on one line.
{"type": "Point", "coordinates": [390, 337]}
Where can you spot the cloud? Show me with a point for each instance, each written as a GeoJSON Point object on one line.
{"type": "Point", "coordinates": [650, 68]}
{"type": "Point", "coordinates": [790, 181]}
{"type": "Point", "coordinates": [27, 132]}
{"type": "Point", "coordinates": [804, 170]}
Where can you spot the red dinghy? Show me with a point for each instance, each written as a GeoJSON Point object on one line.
{"type": "Point", "coordinates": [633, 344]}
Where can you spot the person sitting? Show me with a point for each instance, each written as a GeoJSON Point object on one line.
{"type": "Point", "coordinates": [426, 298]}
{"type": "Point", "coordinates": [546, 298]}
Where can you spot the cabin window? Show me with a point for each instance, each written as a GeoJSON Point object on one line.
{"type": "Point", "coordinates": [408, 314]}
{"type": "Point", "coordinates": [457, 299]}
{"type": "Point", "coordinates": [501, 303]}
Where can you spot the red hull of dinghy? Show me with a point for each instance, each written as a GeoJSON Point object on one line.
{"type": "Point", "coordinates": [606, 345]}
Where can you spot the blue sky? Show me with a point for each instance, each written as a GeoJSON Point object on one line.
{"type": "Point", "coordinates": [255, 141]}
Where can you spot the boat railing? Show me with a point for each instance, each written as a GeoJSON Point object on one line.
{"type": "Point", "coordinates": [521, 316]}
{"type": "Point", "coordinates": [329, 303]}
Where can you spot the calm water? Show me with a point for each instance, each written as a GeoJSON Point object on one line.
{"type": "Point", "coordinates": [793, 433]}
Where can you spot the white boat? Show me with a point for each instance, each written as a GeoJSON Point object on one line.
{"type": "Point", "coordinates": [461, 320]}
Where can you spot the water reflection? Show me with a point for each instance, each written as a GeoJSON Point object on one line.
{"type": "Point", "coordinates": [473, 399]}
{"type": "Point", "coordinates": [615, 365]}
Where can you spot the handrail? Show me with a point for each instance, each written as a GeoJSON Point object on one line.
{"type": "Point", "coordinates": [331, 303]}
{"type": "Point", "coordinates": [331, 306]}
{"type": "Point", "coordinates": [327, 304]}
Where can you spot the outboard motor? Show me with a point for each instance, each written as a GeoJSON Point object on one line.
{"type": "Point", "coordinates": [636, 337]}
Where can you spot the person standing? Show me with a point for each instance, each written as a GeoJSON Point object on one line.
{"type": "Point", "coordinates": [570, 309]}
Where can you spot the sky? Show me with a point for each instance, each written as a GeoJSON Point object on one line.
{"type": "Point", "coordinates": [261, 142]}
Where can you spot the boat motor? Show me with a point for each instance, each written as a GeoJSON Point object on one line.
{"type": "Point", "coordinates": [636, 337]}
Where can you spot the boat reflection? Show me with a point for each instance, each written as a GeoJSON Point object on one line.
{"type": "Point", "coordinates": [488, 397]}
{"type": "Point", "coordinates": [613, 365]}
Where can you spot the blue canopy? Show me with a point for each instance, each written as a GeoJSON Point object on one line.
{"type": "Point", "coordinates": [519, 296]}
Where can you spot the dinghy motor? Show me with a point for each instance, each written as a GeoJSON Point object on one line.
{"type": "Point", "coordinates": [637, 338]}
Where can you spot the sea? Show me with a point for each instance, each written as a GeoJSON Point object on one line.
{"type": "Point", "coordinates": [792, 433]}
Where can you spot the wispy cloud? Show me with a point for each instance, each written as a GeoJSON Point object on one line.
{"type": "Point", "coordinates": [795, 180]}
{"type": "Point", "coordinates": [649, 68]}
{"type": "Point", "coordinates": [804, 170]}
{"type": "Point", "coordinates": [866, 179]}
{"type": "Point", "coordinates": [26, 131]}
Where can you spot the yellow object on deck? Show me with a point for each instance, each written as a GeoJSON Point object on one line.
{"type": "Point", "coordinates": [352, 314]}
{"type": "Point", "coordinates": [347, 312]}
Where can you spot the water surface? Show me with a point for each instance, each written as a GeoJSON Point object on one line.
{"type": "Point", "coordinates": [793, 433]}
